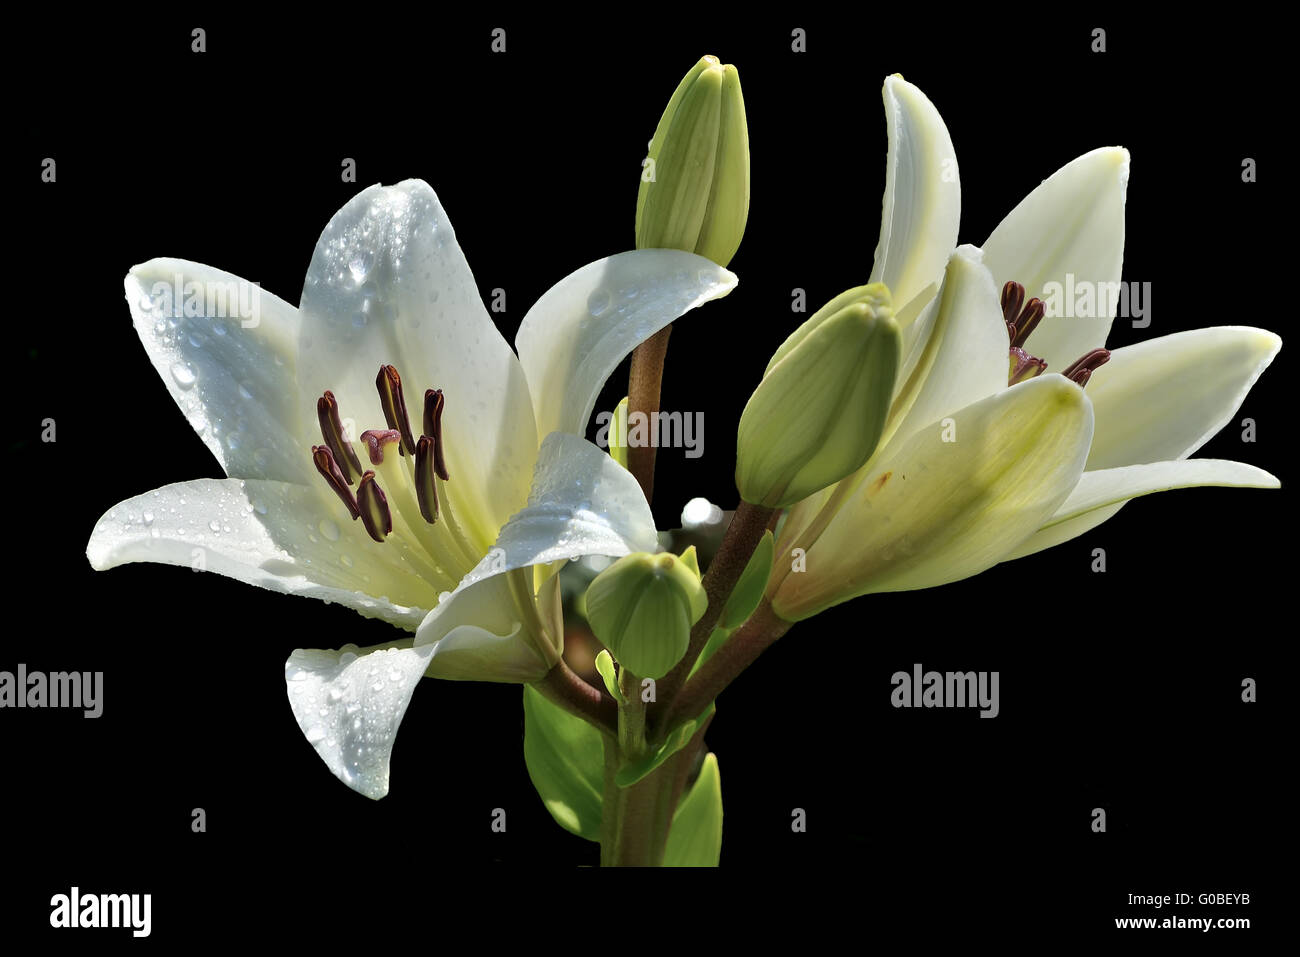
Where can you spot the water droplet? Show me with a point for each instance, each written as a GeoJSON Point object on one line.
{"type": "Point", "coordinates": [329, 529]}
{"type": "Point", "coordinates": [598, 302]}
{"type": "Point", "coordinates": [183, 375]}
{"type": "Point", "coordinates": [244, 391]}
{"type": "Point", "coordinates": [259, 506]}
{"type": "Point", "coordinates": [148, 518]}
{"type": "Point", "coordinates": [394, 675]}
{"type": "Point", "coordinates": [345, 560]}
{"type": "Point", "coordinates": [214, 525]}
{"type": "Point", "coordinates": [315, 734]}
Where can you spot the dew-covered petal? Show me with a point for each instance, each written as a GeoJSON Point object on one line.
{"type": "Point", "coordinates": [227, 352]}
{"type": "Point", "coordinates": [389, 285]}
{"type": "Point", "coordinates": [274, 535]}
{"type": "Point", "coordinates": [1162, 399]}
{"type": "Point", "coordinates": [1069, 232]}
{"type": "Point", "coordinates": [1100, 494]}
{"type": "Point", "coordinates": [349, 704]}
{"type": "Point", "coordinates": [582, 327]}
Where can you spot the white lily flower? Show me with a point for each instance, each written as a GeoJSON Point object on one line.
{"type": "Point", "coordinates": [985, 458]}
{"type": "Point", "coordinates": [437, 534]}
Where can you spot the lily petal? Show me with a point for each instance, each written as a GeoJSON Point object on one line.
{"type": "Point", "coordinates": [349, 703]}
{"type": "Point", "coordinates": [388, 284]}
{"type": "Point", "coordinates": [479, 636]}
{"type": "Point", "coordinates": [262, 533]}
{"type": "Point", "coordinates": [922, 204]}
{"type": "Point", "coordinates": [1099, 494]}
{"type": "Point", "coordinates": [966, 356]}
{"type": "Point", "coordinates": [582, 327]}
{"type": "Point", "coordinates": [937, 511]}
{"type": "Point", "coordinates": [582, 503]}
{"type": "Point", "coordinates": [1071, 225]}
{"type": "Point", "coordinates": [227, 352]}
{"type": "Point", "coordinates": [1163, 399]}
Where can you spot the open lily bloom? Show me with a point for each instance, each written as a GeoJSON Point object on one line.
{"type": "Point", "coordinates": [993, 449]}
{"type": "Point", "coordinates": [436, 532]}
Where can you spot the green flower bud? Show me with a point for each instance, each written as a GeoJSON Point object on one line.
{"type": "Point", "coordinates": [642, 608]}
{"type": "Point", "coordinates": [818, 413]}
{"type": "Point", "coordinates": [695, 185]}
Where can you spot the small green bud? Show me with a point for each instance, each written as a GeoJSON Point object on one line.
{"type": "Point", "coordinates": [642, 608]}
{"type": "Point", "coordinates": [694, 191]}
{"type": "Point", "coordinates": [820, 410]}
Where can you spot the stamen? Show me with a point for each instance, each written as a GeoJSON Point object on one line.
{"type": "Point", "coordinates": [377, 440]}
{"type": "Point", "coordinates": [331, 427]}
{"type": "Point", "coordinates": [426, 489]}
{"type": "Point", "coordinates": [1013, 296]}
{"type": "Point", "coordinates": [433, 403]}
{"type": "Point", "coordinates": [1081, 370]}
{"type": "Point", "coordinates": [1021, 317]}
{"type": "Point", "coordinates": [1024, 366]}
{"type": "Point", "coordinates": [325, 464]}
{"type": "Point", "coordinates": [389, 384]}
{"type": "Point", "coordinates": [373, 505]}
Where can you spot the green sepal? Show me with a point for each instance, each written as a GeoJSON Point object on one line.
{"type": "Point", "coordinates": [618, 434]}
{"type": "Point", "coordinates": [749, 589]}
{"type": "Point", "coordinates": [629, 774]}
{"type": "Point", "coordinates": [696, 836]}
{"type": "Point", "coordinates": [566, 762]}
{"type": "Point", "coordinates": [605, 665]}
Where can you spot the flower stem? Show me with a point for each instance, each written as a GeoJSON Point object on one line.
{"type": "Point", "coordinates": [563, 687]}
{"type": "Point", "coordinates": [643, 385]}
{"type": "Point", "coordinates": [737, 653]}
{"type": "Point", "coordinates": [742, 536]}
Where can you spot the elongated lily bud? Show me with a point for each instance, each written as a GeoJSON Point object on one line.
{"type": "Point", "coordinates": [818, 413]}
{"type": "Point", "coordinates": [642, 608]}
{"type": "Point", "coordinates": [695, 186]}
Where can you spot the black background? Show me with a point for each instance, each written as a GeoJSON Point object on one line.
{"type": "Point", "coordinates": [1119, 691]}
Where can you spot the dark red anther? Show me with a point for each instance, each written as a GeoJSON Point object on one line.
{"type": "Point", "coordinates": [373, 504]}
{"type": "Point", "coordinates": [325, 464]}
{"type": "Point", "coordinates": [331, 427]}
{"type": "Point", "coordinates": [377, 440]}
{"type": "Point", "coordinates": [433, 403]}
{"type": "Point", "coordinates": [1021, 317]}
{"type": "Point", "coordinates": [389, 384]}
{"type": "Point", "coordinates": [1081, 370]}
{"type": "Point", "coordinates": [426, 490]}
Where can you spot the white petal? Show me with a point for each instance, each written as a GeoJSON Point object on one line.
{"type": "Point", "coordinates": [582, 327]}
{"type": "Point", "coordinates": [226, 350]}
{"type": "Point", "coordinates": [922, 204]}
{"type": "Point", "coordinates": [388, 284]}
{"type": "Point", "coordinates": [349, 703]}
{"type": "Point", "coordinates": [966, 358]}
{"type": "Point", "coordinates": [477, 635]}
{"type": "Point", "coordinates": [937, 511]}
{"type": "Point", "coordinates": [1163, 399]}
{"type": "Point", "coordinates": [1072, 225]}
{"type": "Point", "coordinates": [261, 533]}
{"type": "Point", "coordinates": [1100, 494]}
{"type": "Point", "coordinates": [582, 503]}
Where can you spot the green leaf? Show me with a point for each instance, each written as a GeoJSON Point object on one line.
{"type": "Point", "coordinates": [629, 774]}
{"type": "Point", "coordinates": [566, 762]}
{"type": "Point", "coordinates": [605, 665]}
{"type": "Point", "coordinates": [749, 589]}
{"type": "Point", "coordinates": [696, 836]}
{"type": "Point", "coordinates": [715, 641]}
